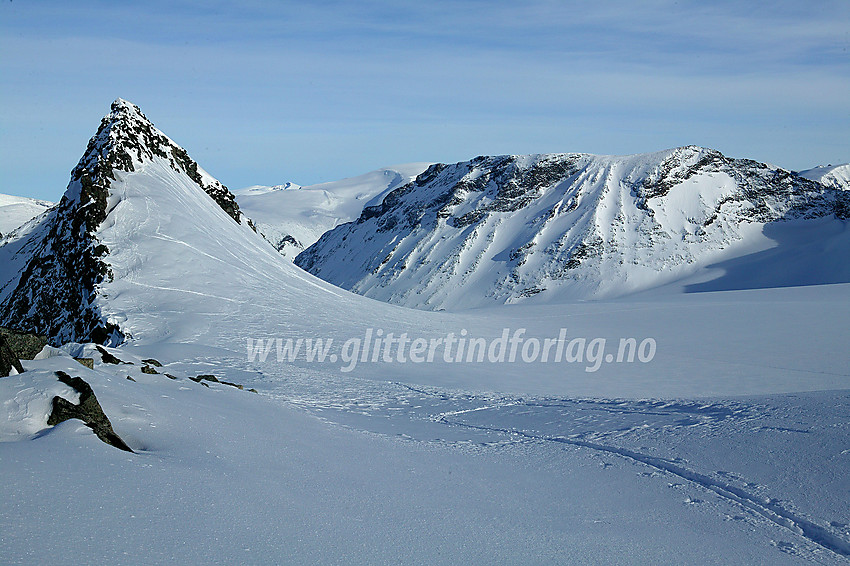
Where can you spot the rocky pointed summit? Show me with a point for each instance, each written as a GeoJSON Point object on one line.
{"type": "Point", "coordinates": [51, 271]}
{"type": "Point", "coordinates": [126, 140]}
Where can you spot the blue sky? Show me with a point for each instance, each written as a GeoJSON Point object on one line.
{"type": "Point", "coordinates": [268, 92]}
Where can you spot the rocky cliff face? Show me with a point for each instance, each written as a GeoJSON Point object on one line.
{"type": "Point", "coordinates": [125, 141]}
{"type": "Point", "coordinates": [502, 229]}
{"type": "Point", "coordinates": [51, 272]}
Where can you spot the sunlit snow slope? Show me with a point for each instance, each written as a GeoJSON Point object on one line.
{"type": "Point", "coordinates": [146, 246]}
{"type": "Point", "coordinates": [16, 211]}
{"type": "Point", "coordinates": [546, 228]}
{"type": "Point", "coordinates": [293, 217]}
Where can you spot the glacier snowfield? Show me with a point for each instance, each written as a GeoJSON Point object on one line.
{"type": "Point", "coordinates": [325, 467]}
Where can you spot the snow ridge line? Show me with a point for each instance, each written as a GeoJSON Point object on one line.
{"type": "Point", "coordinates": [769, 509]}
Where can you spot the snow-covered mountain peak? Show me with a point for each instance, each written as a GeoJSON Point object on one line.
{"type": "Point", "coordinates": [836, 176]}
{"type": "Point", "coordinates": [561, 226]}
{"type": "Point", "coordinates": [54, 269]}
{"type": "Point", "coordinates": [125, 141]}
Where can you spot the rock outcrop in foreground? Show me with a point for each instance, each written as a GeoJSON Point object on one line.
{"type": "Point", "coordinates": [88, 410]}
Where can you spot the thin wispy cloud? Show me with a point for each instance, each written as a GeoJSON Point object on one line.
{"type": "Point", "coordinates": [266, 92]}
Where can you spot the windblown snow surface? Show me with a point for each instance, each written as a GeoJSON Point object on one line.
{"type": "Point", "coordinates": [730, 445]}
{"type": "Point", "coordinates": [292, 217]}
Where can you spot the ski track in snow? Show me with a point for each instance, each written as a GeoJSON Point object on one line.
{"type": "Point", "coordinates": [483, 421]}
{"type": "Point", "coordinates": [200, 294]}
{"type": "Point", "coordinates": [767, 508]}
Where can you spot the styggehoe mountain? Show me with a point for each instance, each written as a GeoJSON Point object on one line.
{"type": "Point", "coordinates": [54, 267]}
{"type": "Point", "coordinates": [564, 226]}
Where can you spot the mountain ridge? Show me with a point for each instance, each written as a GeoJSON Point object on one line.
{"type": "Point", "coordinates": [506, 228]}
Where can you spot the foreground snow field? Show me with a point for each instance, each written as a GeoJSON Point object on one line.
{"type": "Point", "coordinates": [729, 444]}
{"type": "Point", "coordinates": [321, 467]}
{"type": "Point", "coordinates": [386, 464]}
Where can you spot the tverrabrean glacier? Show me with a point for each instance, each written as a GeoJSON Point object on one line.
{"type": "Point", "coordinates": [565, 226]}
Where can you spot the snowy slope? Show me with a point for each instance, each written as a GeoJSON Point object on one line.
{"type": "Point", "coordinates": [837, 176]}
{"type": "Point", "coordinates": [16, 211]}
{"type": "Point", "coordinates": [293, 217]}
{"type": "Point", "coordinates": [146, 246]}
{"type": "Point", "coordinates": [226, 476]}
{"type": "Point", "coordinates": [563, 226]}
{"type": "Point", "coordinates": [323, 467]}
